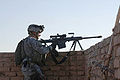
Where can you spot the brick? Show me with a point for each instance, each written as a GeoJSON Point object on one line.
{"type": "Point", "coordinates": [55, 68]}
{"type": "Point", "coordinates": [116, 29]}
{"type": "Point", "coordinates": [62, 54]}
{"type": "Point", "coordinates": [52, 78]}
{"type": "Point", "coordinates": [102, 56]}
{"type": "Point", "coordinates": [80, 63]}
{"type": "Point", "coordinates": [92, 78]}
{"type": "Point", "coordinates": [116, 62]}
{"type": "Point", "coordinates": [64, 68]}
{"type": "Point", "coordinates": [98, 57]}
{"type": "Point", "coordinates": [55, 73]}
{"type": "Point", "coordinates": [81, 78]}
{"type": "Point", "coordinates": [7, 64]}
{"type": "Point", "coordinates": [6, 55]}
{"type": "Point", "coordinates": [66, 63]}
{"type": "Point", "coordinates": [73, 58]}
{"type": "Point", "coordinates": [55, 78]}
{"type": "Point", "coordinates": [48, 73]}
{"type": "Point", "coordinates": [67, 73]}
{"type": "Point", "coordinates": [117, 51]}
{"type": "Point", "coordinates": [3, 55]}
{"type": "Point", "coordinates": [11, 55]}
{"type": "Point", "coordinates": [19, 74]}
{"type": "Point", "coordinates": [10, 74]}
{"type": "Point", "coordinates": [91, 49]}
{"type": "Point", "coordinates": [5, 59]}
{"type": "Point", "coordinates": [4, 69]}
{"type": "Point", "coordinates": [73, 73]}
{"type": "Point", "coordinates": [1, 64]}
{"type": "Point", "coordinates": [73, 68]}
{"type": "Point", "coordinates": [63, 78]}
{"type": "Point", "coordinates": [116, 40]}
{"type": "Point", "coordinates": [106, 41]}
{"type": "Point", "coordinates": [100, 44]}
{"type": "Point", "coordinates": [16, 78]}
{"type": "Point", "coordinates": [73, 63]}
{"type": "Point", "coordinates": [72, 78]}
{"type": "Point", "coordinates": [61, 73]}
{"type": "Point", "coordinates": [97, 78]}
{"type": "Point", "coordinates": [80, 58]}
{"type": "Point", "coordinates": [50, 62]}
{"type": "Point", "coordinates": [2, 74]}
{"type": "Point", "coordinates": [12, 59]}
{"type": "Point", "coordinates": [79, 68]}
{"type": "Point", "coordinates": [45, 68]}
{"type": "Point", "coordinates": [15, 69]}
{"type": "Point", "coordinates": [117, 73]}
{"type": "Point", "coordinates": [79, 52]}
{"type": "Point", "coordinates": [4, 78]}
{"type": "Point", "coordinates": [81, 73]}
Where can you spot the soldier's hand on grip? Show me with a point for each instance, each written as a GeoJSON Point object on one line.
{"type": "Point", "coordinates": [53, 46]}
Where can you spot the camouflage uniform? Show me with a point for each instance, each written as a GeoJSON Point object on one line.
{"type": "Point", "coordinates": [31, 64]}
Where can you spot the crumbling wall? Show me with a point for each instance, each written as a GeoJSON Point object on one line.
{"type": "Point", "coordinates": [71, 69]}
{"type": "Point", "coordinates": [95, 60]}
{"type": "Point", "coordinates": [102, 64]}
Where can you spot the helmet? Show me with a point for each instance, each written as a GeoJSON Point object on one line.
{"type": "Point", "coordinates": [35, 28]}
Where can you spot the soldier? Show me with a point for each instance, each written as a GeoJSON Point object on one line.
{"type": "Point", "coordinates": [34, 51]}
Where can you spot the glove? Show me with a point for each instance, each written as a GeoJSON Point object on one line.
{"type": "Point", "coordinates": [55, 53]}
{"type": "Point", "coordinates": [25, 63]}
{"type": "Point", "coordinates": [53, 46]}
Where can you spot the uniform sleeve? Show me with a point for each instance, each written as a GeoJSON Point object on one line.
{"type": "Point", "coordinates": [37, 46]}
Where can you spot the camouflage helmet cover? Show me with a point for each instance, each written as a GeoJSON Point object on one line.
{"type": "Point", "coordinates": [35, 28]}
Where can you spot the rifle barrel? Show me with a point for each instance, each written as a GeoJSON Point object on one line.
{"type": "Point", "coordinates": [80, 38]}
{"type": "Point", "coordinates": [68, 39]}
{"type": "Point", "coordinates": [92, 37]}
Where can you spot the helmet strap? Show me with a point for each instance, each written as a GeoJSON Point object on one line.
{"type": "Point", "coordinates": [34, 34]}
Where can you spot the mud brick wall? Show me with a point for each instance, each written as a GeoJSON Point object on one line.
{"type": "Point", "coordinates": [97, 56]}
{"type": "Point", "coordinates": [95, 59]}
{"type": "Point", "coordinates": [8, 70]}
{"type": "Point", "coordinates": [71, 69]}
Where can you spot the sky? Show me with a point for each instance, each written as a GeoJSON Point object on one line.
{"type": "Point", "coordinates": [83, 17]}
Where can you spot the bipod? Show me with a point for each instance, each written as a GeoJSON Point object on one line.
{"type": "Point", "coordinates": [74, 45]}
